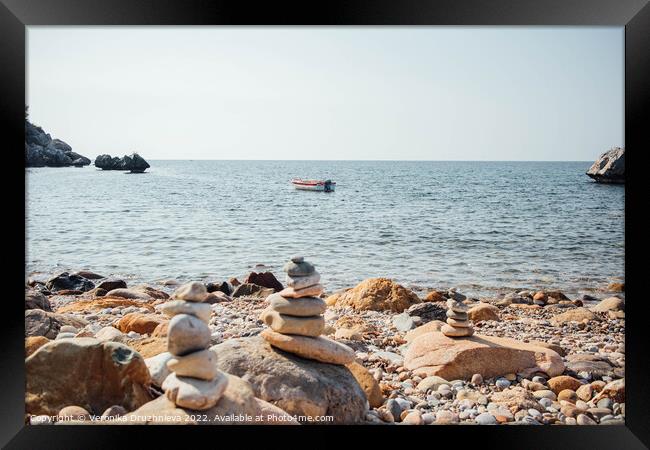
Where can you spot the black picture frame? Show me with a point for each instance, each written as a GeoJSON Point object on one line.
{"type": "Point", "coordinates": [634, 15]}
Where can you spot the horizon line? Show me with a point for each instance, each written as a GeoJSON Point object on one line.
{"type": "Point", "coordinates": [380, 160]}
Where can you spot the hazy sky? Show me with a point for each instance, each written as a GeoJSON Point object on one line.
{"type": "Point", "coordinates": [426, 93]}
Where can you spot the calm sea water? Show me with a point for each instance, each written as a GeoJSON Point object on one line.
{"type": "Point", "coordinates": [479, 226]}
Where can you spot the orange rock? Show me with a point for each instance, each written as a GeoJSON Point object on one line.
{"type": "Point", "coordinates": [376, 294]}
{"type": "Point", "coordinates": [149, 347]}
{"type": "Point", "coordinates": [367, 383]}
{"type": "Point", "coordinates": [453, 358]}
{"type": "Point", "coordinates": [562, 382]}
{"type": "Point", "coordinates": [33, 343]}
{"type": "Point", "coordinates": [434, 325]}
{"type": "Point", "coordinates": [140, 323]}
{"type": "Point", "coordinates": [98, 304]}
{"type": "Point", "coordinates": [483, 311]}
{"type": "Point", "coordinates": [616, 287]}
{"type": "Point", "coordinates": [435, 296]}
{"type": "Point", "coordinates": [568, 395]}
{"type": "Point", "coordinates": [161, 330]}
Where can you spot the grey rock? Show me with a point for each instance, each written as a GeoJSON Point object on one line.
{"type": "Point", "coordinates": [187, 334]}
{"type": "Point", "coordinates": [403, 322]}
{"type": "Point", "coordinates": [297, 385]}
{"type": "Point", "coordinates": [40, 323]}
{"type": "Point", "coordinates": [609, 167]}
{"type": "Point", "coordinates": [66, 281]}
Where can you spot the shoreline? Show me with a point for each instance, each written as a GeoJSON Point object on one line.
{"type": "Point", "coordinates": [380, 338]}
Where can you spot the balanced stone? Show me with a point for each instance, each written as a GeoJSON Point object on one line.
{"type": "Point", "coordinates": [175, 307]}
{"type": "Point", "coordinates": [303, 282]}
{"type": "Point", "coordinates": [300, 269]}
{"type": "Point", "coordinates": [457, 306]}
{"type": "Point", "coordinates": [192, 292]}
{"type": "Point", "coordinates": [300, 307]}
{"type": "Point", "coordinates": [318, 348]}
{"type": "Point", "coordinates": [311, 291]}
{"type": "Point", "coordinates": [456, 315]}
{"type": "Point", "coordinates": [304, 326]}
{"type": "Point", "coordinates": [201, 364]}
{"type": "Point", "coordinates": [187, 334]}
{"type": "Point", "coordinates": [195, 394]}
{"type": "Point", "coordinates": [458, 323]}
{"type": "Point", "coordinates": [450, 331]}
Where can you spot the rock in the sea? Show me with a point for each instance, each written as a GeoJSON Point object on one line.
{"type": "Point", "coordinates": [297, 385]}
{"type": "Point", "coordinates": [377, 294]}
{"type": "Point", "coordinates": [609, 167]}
{"type": "Point", "coordinates": [140, 323]}
{"type": "Point", "coordinates": [264, 279]}
{"type": "Point", "coordinates": [449, 358]}
{"type": "Point", "coordinates": [483, 311]}
{"type": "Point", "coordinates": [36, 300]}
{"type": "Point", "coordinates": [135, 163]}
{"type": "Point", "coordinates": [252, 290]}
{"type": "Point", "coordinates": [66, 281]}
{"type": "Point", "coordinates": [224, 287]}
{"type": "Point", "coordinates": [236, 406]}
{"type": "Point", "coordinates": [87, 373]}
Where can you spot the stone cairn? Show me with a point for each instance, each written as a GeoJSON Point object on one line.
{"type": "Point", "coordinates": [458, 324]}
{"type": "Point", "coordinates": [295, 317]}
{"type": "Point", "coordinates": [195, 381]}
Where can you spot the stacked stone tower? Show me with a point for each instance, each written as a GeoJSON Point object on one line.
{"type": "Point", "coordinates": [195, 381]}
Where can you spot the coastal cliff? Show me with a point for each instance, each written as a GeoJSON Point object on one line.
{"type": "Point", "coordinates": [609, 167]}
{"type": "Point", "coordinates": [43, 151]}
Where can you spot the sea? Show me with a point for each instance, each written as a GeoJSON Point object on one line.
{"type": "Point", "coordinates": [482, 227]}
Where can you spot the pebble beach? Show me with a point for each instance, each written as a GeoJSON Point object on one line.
{"type": "Point", "coordinates": [385, 325]}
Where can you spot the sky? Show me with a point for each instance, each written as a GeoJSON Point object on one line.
{"type": "Point", "coordinates": [330, 93]}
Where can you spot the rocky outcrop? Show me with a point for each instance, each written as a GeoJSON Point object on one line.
{"type": "Point", "coordinates": [299, 386]}
{"type": "Point", "coordinates": [134, 163]}
{"type": "Point", "coordinates": [87, 373]}
{"type": "Point", "coordinates": [377, 294]}
{"type": "Point", "coordinates": [609, 167]}
{"type": "Point", "coordinates": [43, 151]}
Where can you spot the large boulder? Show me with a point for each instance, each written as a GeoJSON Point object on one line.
{"type": "Point", "coordinates": [135, 163]}
{"type": "Point", "coordinates": [66, 281]}
{"type": "Point", "coordinates": [36, 300]}
{"type": "Point", "coordinates": [609, 167]}
{"type": "Point", "coordinates": [85, 372]}
{"type": "Point", "coordinates": [107, 162]}
{"type": "Point", "coordinates": [451, 358]}
{"type": "Point", "coordinates": [299, 386]}
{"type": "Point", "coordinates": [97, 304]}
{"type": "Point", "coordinates": [377, 294]}
{"type": "Point", "coordinates": [238, 405]}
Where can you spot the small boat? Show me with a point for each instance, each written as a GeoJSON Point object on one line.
{"type": "Point", "coordinates": [314, 185]}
